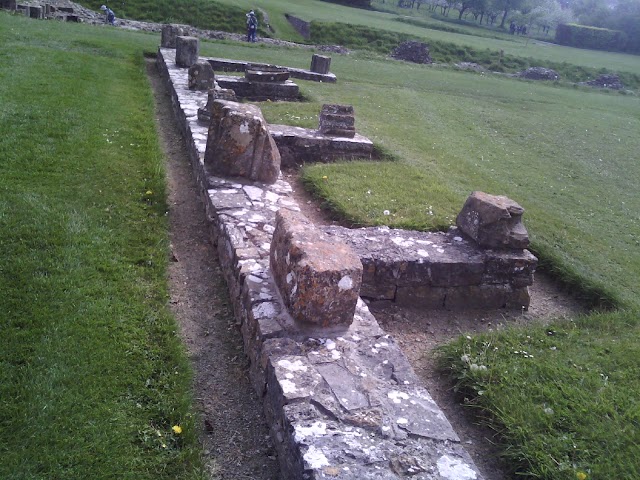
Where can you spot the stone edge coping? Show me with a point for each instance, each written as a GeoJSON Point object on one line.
{"type": "Point", "coordinates": [341, 403]}
{"type": "Point", "coordinates": [281, 131]}
{"type": "Point", "coordinates": [300, 73]}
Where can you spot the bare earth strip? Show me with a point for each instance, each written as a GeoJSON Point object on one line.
{"type": "Point", "coordinates": [234, 434]}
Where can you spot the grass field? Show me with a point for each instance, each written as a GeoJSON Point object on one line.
{"type": "Point", "coordinates": [92, 375]}
{"type": "Point", "coordinates": [569, 156]}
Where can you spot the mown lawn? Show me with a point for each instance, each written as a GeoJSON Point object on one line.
{"type": "Point", "coordinates": [93, 377]}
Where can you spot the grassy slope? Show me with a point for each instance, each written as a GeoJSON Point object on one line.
{"type": "Point", "coordinates": [92, 375]}
{"type": "Point", "coordinates": [328, 12]}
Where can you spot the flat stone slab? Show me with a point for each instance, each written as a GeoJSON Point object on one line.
{"type": "Point", "coordinates": [303, 145]}
{"type": "Point", "coordinates": [342, 402]}
{"type": "Point", "coordinates": [228, 65]}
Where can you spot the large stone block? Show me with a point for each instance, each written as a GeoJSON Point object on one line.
{"type": "Point", "coordinates": [239, 143]}
{"type": "Point", "coordinates": [493, 221]}
{"type": "Point", "coordinates": [201, 76]}
{"type": "Point", "coordinates": [318, 276]}
{"type": "Point", "coordinates": [337, 120]}
{"type": "Point", "coordinates": [187, 51]}
{"type": "Point", "coordinates": [320, 64]}
{"type": "Point", "coordinates": [169, 35]}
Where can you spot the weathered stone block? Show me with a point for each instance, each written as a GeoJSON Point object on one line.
{"type": "Point", "coordinates": [337, 120]}
{"type": "Point", "coordinates": [187, 51]}
{"type": "Point", "coordinates": [421, 296]}
{"type": "Point", "coordinates": [514, 267]}
{"type": "Point", "coordinates": [260, 91]}
{"type": "Point", "coordinates": [318, 277]}
{"type": "Point", "coordinates": [493, 221]}
{"type": "Point", "coordinates": [36, 12]}
{"type": "Point", "coordinates": [239, 143]}
{"type": "Point", "coordinates": [169, 35]}
{"type": "Point", "coordinates": [320, 64]}
{"type": "Point", "coordinates": [215, 93]}
{"type": "Point", "coordinates": [201, 76]}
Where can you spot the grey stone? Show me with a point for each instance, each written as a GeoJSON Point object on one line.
{"type": "Point", "coordinates": [228, 65]}
{"type": "Point", "coordinates": [169, 35]}
{"type": "Point", "coordinates": [337, 120]}
{"type": "Point", "coordinates": [299, 146]}
{"type": "Point", "coordinates": [344, 386]}
{"type": "Point", "coordinates": [239, 143]}
{"type": "Point", "coordinates": [260, 91]}
{"type": "Point", "coordinates": [318, 277]}
{"type": "Point", "coordinates": [201, 76]}
{"type": "Point", "coordinates": [187, 51]}
{"type": "Point", "coordinates": [493, 221]}
{"type": "Point", "coordinates": [320, 64]}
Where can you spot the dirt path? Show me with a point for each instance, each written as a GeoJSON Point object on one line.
{"type": "Point", "coordinates": [234, 432]}
{"type": "Point", "coordinates": [234, 435]}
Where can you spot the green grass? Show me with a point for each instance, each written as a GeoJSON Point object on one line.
{"type": "Point", "coordinates": [92, 374]}
{"type": "Point", "coordinates": [562, 397]}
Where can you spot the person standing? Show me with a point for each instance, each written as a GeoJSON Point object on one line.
{"type": "Point", "coordinates": [252, 26]}
{"type": "Point", "coordinates": [110, 17]}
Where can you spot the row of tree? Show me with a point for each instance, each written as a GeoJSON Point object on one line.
{"type": "Point", "coordinates": [622, 15]}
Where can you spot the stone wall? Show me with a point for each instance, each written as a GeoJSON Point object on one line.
{"type": "Point", "coordinates": [342, 401]}
{"type": "Point", "coordinates": [437, 270]}
{"type": "Point", "coordinates": [302, 27]}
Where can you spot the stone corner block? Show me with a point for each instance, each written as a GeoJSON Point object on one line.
{"type": "Point", "coordinates": [319, 277]}
{"type": "Point", "coordinates": [493, 221]}
{"type": "Point", "coordinates": [239, 143]}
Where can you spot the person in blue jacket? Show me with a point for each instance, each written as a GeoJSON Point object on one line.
{"type": "Point", "coordinates": [252, 26]}
{"type": "Point", "coordinates": [110, 17]}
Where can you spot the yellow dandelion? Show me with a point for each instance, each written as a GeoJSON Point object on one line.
{"type": "Point", "coordinates": [324, 177]}
{"type": "Point", "coordinates": [581, 476]}
{"type": "Point", "coordinates": [177, 429]}
{"type": "Point", "coordinates": [148, 192]}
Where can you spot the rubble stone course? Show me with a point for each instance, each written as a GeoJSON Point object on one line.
{"type": "Point", "coordinates": [342, 401]}
{"type": "Point", "coordinates": [228, 65]}
{"type": "Point", "coordinates": [438, 270]}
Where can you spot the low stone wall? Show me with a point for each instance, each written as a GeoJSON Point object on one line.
{"type": "Point", "coordinates": [342, 402]}
{"type": "Point", "coordinates": [438, 270]}
{"type": "Point", "coordinates": [260, 91]}
{"type": "Point", "coordinates": [228, 65]}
